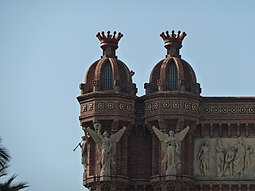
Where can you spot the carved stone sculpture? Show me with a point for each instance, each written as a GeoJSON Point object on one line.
{"type": "Point", "coordinates": [229, 159]}
{"type": "Point", "coordinates": [247, 164]}
{"type": "Point", "coordinates": [203, 156]}
{"type": "Point", "coordinates": [224, 158]}
{"type": "Point", "coordinates": [106, 145]}
{"type": "Point", "coordinates": [239, 157]}
{"type": "Point", "coordinates": [220, 158]}
{"type": "Point", "coordinates": [171, 147]}
{"type": "Point", "coordinates": [84, 155]}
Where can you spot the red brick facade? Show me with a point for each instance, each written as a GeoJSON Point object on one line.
{"type": "Point", "coordinates": [137, 163]}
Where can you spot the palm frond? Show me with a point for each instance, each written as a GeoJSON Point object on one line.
{"type": "Point", "coordinates": [10, 186]}
{"type": "Point", "coordinates": [4, 155]}
{"type": "Point", "coordinates": [3, 170]}
{"type": "Point", "coordinates": [19, 186]}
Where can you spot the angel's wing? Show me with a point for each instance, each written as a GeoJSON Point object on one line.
{"type": "Point", "coordinates": [180, 136]}
{"type": "Point", "coordinates": [95, 137]}
{"type": "Point", "coordinates": [116, 137]}
{"type": "Point", "coordinates": [161, 136]}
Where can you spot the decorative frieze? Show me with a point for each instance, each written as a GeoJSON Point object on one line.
{"type": "Point", "coordinates": [100, 105]}
{"type": "Point", "coordinates": [125, 106]}
{"type": "Point", "coordinates": [224, 158]}
{"type": "Point", "coordinates": [191, 106]}
{"type": "Point", "coordinates": [86, 107]}
{"type": "Point", "coordinates": [114, 106]}
{"type": "Point", "coordinates": [172, 105]}
{"type": "Point", "coordinates": [152, 106]}
{"type": "Point", "coordinates": [176, 104]}
{"type": "Point", "coordinates": [229, 109]}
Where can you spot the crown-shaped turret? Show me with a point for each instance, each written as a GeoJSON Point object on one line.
{"type": "Point", "coordinates": [173, 73]}
{"type": "Point", "coordinates": [109, 74]}
{"type": "Point", "coordinates": [173, 42]}
{"type": "Point", "coordinates": [109, 42]}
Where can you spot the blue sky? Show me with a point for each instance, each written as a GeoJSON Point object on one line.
{"type": "Point", "coordinates": [46, 47]}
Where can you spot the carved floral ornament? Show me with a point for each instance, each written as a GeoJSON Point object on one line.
{"type": "Point", "coordinates": [86, 107]}
{"type": "Point", "coordinates": [221, 158]}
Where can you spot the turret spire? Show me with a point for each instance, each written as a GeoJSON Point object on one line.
{"type": "Point", "coordinates": [109, 42]}
{"type": "Point", "coordinates": [173, 42]}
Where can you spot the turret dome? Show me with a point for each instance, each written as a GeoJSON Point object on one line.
{"type": "Point", "coordinates": [108, 74]}
{"type": "Point", "coordinates": [173, 73]}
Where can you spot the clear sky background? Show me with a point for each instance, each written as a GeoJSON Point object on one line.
{"type": "Point", "coordinates": [47, 46]}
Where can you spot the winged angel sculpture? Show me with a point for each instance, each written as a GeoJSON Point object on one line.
{"type": "Point", "coordinates": [106, 145]}
{"type": "Point", "coordinates": [171, 144]}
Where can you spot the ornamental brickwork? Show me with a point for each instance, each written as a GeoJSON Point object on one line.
{"type": "Point", "coordinates": [171, 138]}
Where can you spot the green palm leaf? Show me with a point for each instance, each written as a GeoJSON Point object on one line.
{"type": "Point", "coordinates": [10, 186]}
{"type": "Point", "coordinates": [4, 156]}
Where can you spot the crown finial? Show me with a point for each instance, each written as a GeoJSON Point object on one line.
{"type": "Point", "coordinates": [109, 38]}
{"type": "Point", "coordinates": [109, 42]}
{"type": "Point", "coordinates": [173, 42]}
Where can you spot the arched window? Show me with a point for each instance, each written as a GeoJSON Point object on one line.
{"type": "Point", "coordinates": [106, 77]}
{"type": "Point", "coordinates": [171, 76]}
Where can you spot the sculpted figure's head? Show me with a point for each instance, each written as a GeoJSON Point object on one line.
{"type": "Point", "coordinates": [240, 140]}
{"type": "Point", "coordinates": [97, 127]}
{"type": "Point", "coordinates": [171, 133]}
{"type": "Point", "coordinates": [105, 134]}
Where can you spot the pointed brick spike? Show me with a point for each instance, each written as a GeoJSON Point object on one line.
{"type": "Point", "coordinates": [173, 34]}
{"type": "Point", "coordinates": [167, 34]}
{"type": "Point", "coordinates": [179, 32]}
{"type": "Point", "coordinates": [163, 36]}
{"type": "Point", "coordinates": [98, 35]}
{"type": "Point", "coordinates": [119, 36]}
{"type": "Point", "coordinates": [114, 33]}
{"type": "Point", "coordinates": [108, 34]}
{"type": "Point", "coordinates": [103, 36]}
{"type": "Point", "coordinates": [183, 35]}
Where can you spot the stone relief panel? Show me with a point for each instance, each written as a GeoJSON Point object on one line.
{"type": "Point", "coordinates": [86, 107]}
{"type": "Point", "coordinates": [224, 158]}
